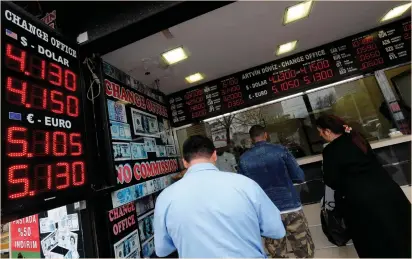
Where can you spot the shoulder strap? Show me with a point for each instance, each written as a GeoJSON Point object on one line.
{"type": "Point", "coordinates": [324, 195]}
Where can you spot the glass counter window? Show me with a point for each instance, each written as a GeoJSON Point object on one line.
{"type": "Point", "coordinates": [291, 122]}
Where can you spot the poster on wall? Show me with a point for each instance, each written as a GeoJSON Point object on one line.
{"type": "Point", "coordinates": [139, 133]}
{"type": "Point", "coordinates": [25, 237]}
{"type": "Point", "coordinates": [148, 248]}
{"type": "Point", "coordinates": [70, 222]}
{"type": "Point", "coordinates": [117, 111]}
{"type": "Point", "coordinates": [121, 151]}
{"type": "Point", "coordinates": [149, 144]}
{"type": "Point", "coordinates": [47, 225]}
{"type": "Point", "coordinates": [123, 224]}
{"type": "Point", "coordinates": [138, 151]}
{"type": "Point", "coordinates": [161, 151]}
{"type": "Point", "coordinates": [171, 151]}
{"type": "Point", "coordinates": [137, 191]}
{"type": "Point", "coordinates": [122, 219]}
{"type": "Point", "coordinates": [219, 135]}
{"type": "Point", "coordinates": [143, 205]}
{"type": "Point", "coordinates": [146, 226]}
{"type": "Point", "coordinates": [120, 131]}
{"type": "Point", "coordinates": [166, 133]}
{"type": "Point", "coordinates": [127, 247]}
{"type": "Point", "coordinates": [55, 233]}
{"type": "Point", "coordinates": [144, 124]}
{"type": "Point", "coordinates": [61, 233]}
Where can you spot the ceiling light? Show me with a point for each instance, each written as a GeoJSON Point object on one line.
{"type": "Point", "coordinates": [396, 12]}
{"type": "Point", "coordinates": [175, 55]}
{"type": "Point", "coordinates": [194, 78]}
{"type": "Point", "coordinates": [287, 47]}
{"type": "Point", "coordinates": [297, 12]}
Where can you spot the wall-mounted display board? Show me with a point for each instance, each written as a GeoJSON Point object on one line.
{"type": "Point", "coordinates": [130, 222]}
{"type": "Point", "coordinates": [137, 148]}
{"type": "Point", "coordinates": [43, 159]}
{"type": "Point", "coordinates": [138, 143]}
{"type": "Point", "coordinates": [359, 54]}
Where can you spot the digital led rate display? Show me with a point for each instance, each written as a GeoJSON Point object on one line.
{"type": "Point", "coordinates": [43, 128]}
{"type": "Point", "coordinates": [330, 63]}
{"type": "Point", "coordinates": [29, 95]}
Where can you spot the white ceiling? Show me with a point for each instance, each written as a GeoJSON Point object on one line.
{"type": "Point", "coordinates": [242, 35]}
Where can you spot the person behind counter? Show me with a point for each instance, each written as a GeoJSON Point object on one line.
{"type": "Point", "coordinates": [275, 169]}
{"type": "Point", "coordinates": [376, 211]}
{"type": "Point", "coordinates": [226, 162]}
{"type": "Point", "coordinates": [210, 214]}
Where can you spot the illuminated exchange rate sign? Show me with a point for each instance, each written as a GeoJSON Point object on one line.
{"type": "Point", "coordinates": [336, 61]}
{"type": "Point", "coordinates": [43, 132]}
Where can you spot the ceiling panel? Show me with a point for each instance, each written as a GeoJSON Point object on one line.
{"type": "Point", "coordinates": [242, 35]}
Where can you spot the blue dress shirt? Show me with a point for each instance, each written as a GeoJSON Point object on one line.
{"type": "Point", "coordinates": [209, 213]}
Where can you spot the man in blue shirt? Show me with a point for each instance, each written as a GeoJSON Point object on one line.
{"type": "Point", "coordinates": [209, 213]}
{"type": "Point", "coordinates": [275, 170]}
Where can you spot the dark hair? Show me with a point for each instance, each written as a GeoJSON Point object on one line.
{"type": "Point", "coordinates": [197, 146]}
{"type": "Point", "coordinates": [220, 151]}
{"type": "Point", "coordinates": [337, 126]}
{"type": "Point", "coordinates": [256, 131]}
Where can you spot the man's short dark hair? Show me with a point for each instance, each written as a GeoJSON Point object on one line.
{"type": "Point", "coordinates": [256, 131]}
{"type": "Point", "coordinates": [197, 147]}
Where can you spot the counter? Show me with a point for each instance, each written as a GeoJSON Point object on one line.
{"type": "Point", "coordinates": [374, 144]}
{"type": "Point", "coordinates": [393, 153]}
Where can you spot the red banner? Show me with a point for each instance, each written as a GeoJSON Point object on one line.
{"type": "Point", "coordinates": [24, 235]}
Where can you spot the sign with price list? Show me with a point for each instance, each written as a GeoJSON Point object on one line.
{"type": "Point", "coordinates": [42, 125]}
{"type": "Point", "coordinates": [356, 55]}
{"type": "Point", "coordinates": [25, 237]}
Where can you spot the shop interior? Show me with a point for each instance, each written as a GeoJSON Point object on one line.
{"type": "Point", "coordinates": [233, 38]}
{"type": "Point", "coordinates": [290, 120]}
{"type": "Point", "coordinates": [243, 35]}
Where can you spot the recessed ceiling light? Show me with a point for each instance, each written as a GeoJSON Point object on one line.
{"type": "Point", "coordinates": [194, 78]}
{"type": "Point", "coordinates": [396, 12]}
{"type": "Point", "coordinates": [297, 12]}
{"type": "Point", "coordinates": [287, 47]}
{"type": "Point", "coordinates": [175, 55]}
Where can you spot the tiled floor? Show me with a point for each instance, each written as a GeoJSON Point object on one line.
{"type": "Point", "coordinates": [325, 249]}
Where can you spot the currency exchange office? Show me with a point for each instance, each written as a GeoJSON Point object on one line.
{"type": "Point", "coordinates": [92, 133]}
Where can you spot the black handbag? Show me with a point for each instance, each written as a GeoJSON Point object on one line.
{"type": "Point", "coordinates": [333, 224]}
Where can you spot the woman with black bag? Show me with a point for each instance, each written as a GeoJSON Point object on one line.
{"type": "Point", "coordinates": [374, 208]}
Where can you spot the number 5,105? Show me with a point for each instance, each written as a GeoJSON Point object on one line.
{"type": "Point", "coordinates": [42, 143]}
{"type": "Point", "coordinates": [25, 180]}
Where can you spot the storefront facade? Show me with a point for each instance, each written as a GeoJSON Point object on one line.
{"type": "Point", "coordinates": [287, 95]}
{"type": "Point", "coordinates": [140, 156]}
{"type": "Point", "coordinates": [106, 144]}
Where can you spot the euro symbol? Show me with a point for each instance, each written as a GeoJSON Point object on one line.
{"type": "Point", "coordinates": [30, 118]}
